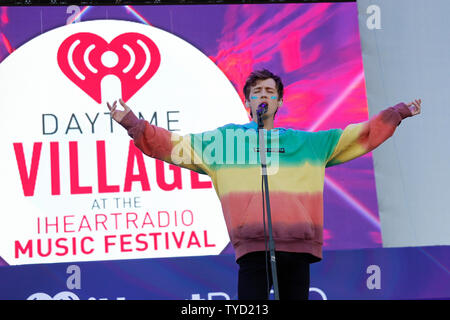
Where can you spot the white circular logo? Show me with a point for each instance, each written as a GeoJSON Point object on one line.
{"type": "Point", "coordinates": [73, 186]}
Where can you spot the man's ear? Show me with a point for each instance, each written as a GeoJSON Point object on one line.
{"type": "Point", "coordinates": [280, 102]}
{"type": "Point", "coordinates": [247, 104]}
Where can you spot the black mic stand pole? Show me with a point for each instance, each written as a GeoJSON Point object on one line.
{"type": "Point", "coordinates": [262, 155]}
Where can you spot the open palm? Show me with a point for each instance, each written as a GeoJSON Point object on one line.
{"type": "Point", "coordinates": [118, 115]}
{"type": "Point", "coordinates": [415, 106]}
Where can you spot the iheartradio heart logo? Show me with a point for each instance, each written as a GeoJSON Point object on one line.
{"type": "Point", "coordinates": [86, 58]}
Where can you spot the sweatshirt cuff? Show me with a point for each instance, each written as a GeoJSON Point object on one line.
{"type": "Point", "coordinates": [129, 121]}
{"type": "Point", "coordinates": [402, 110]}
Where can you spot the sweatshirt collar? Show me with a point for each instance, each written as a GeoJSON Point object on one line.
{"type": "Point", "coordinates": [251, 125]}
{"type": "Point", "coordinates": [254, 125]}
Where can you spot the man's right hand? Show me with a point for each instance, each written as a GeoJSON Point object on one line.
{"type": "Point", "coordinates": [118, 115]}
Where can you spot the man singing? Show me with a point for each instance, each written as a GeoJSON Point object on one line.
{"type": "Point", "coordinates": [296, 187]}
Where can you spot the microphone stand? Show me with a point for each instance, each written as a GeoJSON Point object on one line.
{"type": "Point", "coordinates": [262, 155]}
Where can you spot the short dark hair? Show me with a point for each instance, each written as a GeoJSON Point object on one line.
{"type": "Point", "coordinates": [259, 75]}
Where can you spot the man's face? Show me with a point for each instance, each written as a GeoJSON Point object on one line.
{"type": "Point", "coordinates": [264, 91]}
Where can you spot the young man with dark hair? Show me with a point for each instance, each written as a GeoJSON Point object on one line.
{"type": "Point", "coordinates": [265, 79]}
{"type": "Point", "coordinates": [296, 187]}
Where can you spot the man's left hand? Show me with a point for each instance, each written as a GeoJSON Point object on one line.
{"type": "Point", "coordinates": [415, 106]}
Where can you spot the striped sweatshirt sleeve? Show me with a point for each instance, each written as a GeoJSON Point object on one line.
{"type": "Point", "coordinates": [358, 139]}
{"type": "Point", "coordinates": [165, 145]}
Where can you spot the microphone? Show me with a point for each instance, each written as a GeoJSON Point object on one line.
{"type": "Point", "coordinates": [262, 108]}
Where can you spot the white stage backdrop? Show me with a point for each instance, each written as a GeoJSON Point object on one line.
{"type": "Point", "coordinates": [406, 55]}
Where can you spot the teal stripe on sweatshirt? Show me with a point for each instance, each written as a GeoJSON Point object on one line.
{"type": "Point", "coordinates": [237, 145]}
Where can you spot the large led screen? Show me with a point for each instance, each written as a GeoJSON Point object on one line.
{"type": "Point", "coordinates": [75, 188]}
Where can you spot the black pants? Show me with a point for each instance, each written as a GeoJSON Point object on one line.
{"type": "Point", "coordinates": [292, 271]}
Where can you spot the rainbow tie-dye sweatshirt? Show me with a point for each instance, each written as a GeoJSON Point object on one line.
{"type": "Point", "coordinates": [296, 170]}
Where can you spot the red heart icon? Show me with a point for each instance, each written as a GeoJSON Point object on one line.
{"type": "Point", "coordinates": [135, 59]}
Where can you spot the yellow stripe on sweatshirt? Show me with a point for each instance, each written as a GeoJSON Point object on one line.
{"type": "Point", "coordinates": [349, 146]}
{"type": "Point", "coordinates": [305, 178]}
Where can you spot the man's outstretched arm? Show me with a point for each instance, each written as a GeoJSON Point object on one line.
{"type": "Point", "coordinates": [358, 139]}
{"type": "Point", "coordinates": [157, 142]}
